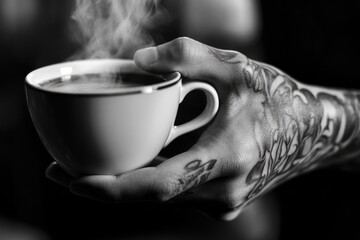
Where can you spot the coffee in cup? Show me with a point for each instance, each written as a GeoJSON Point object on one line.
{"type": "Point", "coordinates": [100, 83]}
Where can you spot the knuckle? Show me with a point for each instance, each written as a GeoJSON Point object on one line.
{"type": "Point", "coordinates": [164, 190]}
{"type": "Point", "coordinates": [239, 161]}
{"type": "Point", "coordinates": [233, 166]}
{"type": "Point", "coordinates": [183, 43]}
{"type": "Point", "coordinates": [181, 48]}
{"type": "Point", "coordinates": [230, 202]}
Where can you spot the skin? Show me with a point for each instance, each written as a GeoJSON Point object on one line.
{"type": "Point", "coordinates": [269, 129]}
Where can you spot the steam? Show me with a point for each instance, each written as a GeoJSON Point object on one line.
{"type": "Point", "coordinates": [116, 28]}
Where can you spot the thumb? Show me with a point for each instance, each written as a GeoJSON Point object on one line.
{"type": "Point", "coordinates": [191, 58]}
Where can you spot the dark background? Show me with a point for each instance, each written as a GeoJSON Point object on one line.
{"type": "Point", "coordinates": [314, 41]}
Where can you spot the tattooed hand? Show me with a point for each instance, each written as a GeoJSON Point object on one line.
{"type": "Point", "coordinates": [269, 129]}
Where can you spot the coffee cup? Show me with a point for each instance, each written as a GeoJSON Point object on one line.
{"type": "Point", "coordinates": [92, 125]}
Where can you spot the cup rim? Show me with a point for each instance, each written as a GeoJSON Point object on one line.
{"type": "Point", "coordinates": [88, 66]}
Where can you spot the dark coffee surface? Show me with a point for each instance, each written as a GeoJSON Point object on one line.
{"type": "Point", "coordinates": [100, 82]}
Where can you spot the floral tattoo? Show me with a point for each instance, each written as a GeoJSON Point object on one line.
{"type": "Point", "coordinates": [297, 127]}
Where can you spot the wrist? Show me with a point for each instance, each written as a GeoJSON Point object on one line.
{"type": "Point", "coordinates": [342, 111]}
{"type": "Point", "coordinates": [335, 131]}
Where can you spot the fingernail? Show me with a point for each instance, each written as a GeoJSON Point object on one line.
{"type": "Point", "coordinates": [147, 56]}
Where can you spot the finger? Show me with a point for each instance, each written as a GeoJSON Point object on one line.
{"type": "Point", "coordinates": [58, 175]}
{"type": "Point", "coordinates": [191, 58]}
{"type": "Point", "coordinates": [161, 183]}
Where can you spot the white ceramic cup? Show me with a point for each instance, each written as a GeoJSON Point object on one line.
{"type": "Point", "coordinates": [110, 132]}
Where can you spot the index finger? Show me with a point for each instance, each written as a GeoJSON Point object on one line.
{"type": "Point", "coordinates": [191, 58]}
{"type": "Point", "coordinates": [161, 183]}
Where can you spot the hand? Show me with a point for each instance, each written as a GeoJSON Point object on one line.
{"type": "Point", "coordinates": [269, 128]}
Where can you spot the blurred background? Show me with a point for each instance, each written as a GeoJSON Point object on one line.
{"type": "Point", "coordinates": [314, 41]}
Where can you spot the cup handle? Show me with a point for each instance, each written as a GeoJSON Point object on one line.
{"type": "Point", "coordinates": [212, 106]}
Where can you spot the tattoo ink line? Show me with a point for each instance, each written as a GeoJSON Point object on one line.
{"type": "Point", "coordinates": [320, 126]}
{"type": "Point", "coordinates": [196, 173]}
